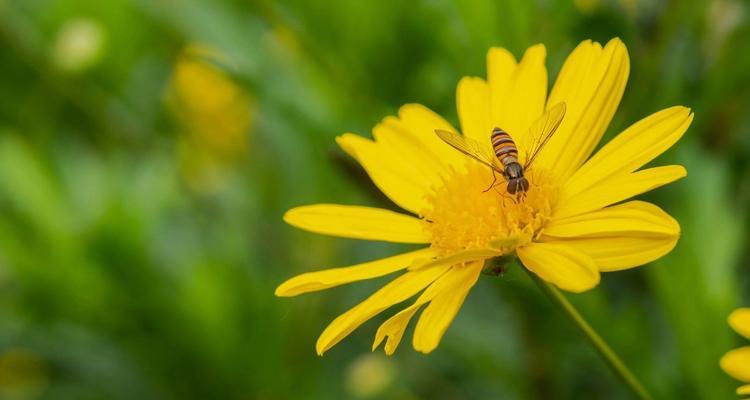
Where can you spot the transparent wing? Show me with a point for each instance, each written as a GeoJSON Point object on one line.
{"type": "Point", "coordinates": [469, 147]}
{"type": "Point", "coordinates": [543, 129]}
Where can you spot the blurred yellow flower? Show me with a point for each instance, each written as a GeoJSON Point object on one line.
{"type": "Point", "coordinates": [79, 45]}
{"type": "Point", "coordinates": [737, 362]}
{"type": "Point", "coordinates": [571, 225]}
{"type": "Point", "coordinates": [586, 6]}
{"type": "Point", "coordinates": [214, 112]}
{"type": "Point", "coordinates": [369, 375]}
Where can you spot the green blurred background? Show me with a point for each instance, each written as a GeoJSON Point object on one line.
{"type": "Point", "coordinates": [148, 149]}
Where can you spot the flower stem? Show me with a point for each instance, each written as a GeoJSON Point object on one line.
{"type": "Point", "coordinates": [599, 344]}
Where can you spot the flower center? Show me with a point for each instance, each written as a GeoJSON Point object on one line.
{"type": "Point", "coordinates": [464, 216]}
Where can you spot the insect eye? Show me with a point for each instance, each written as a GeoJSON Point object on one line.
{"type": "Point", "coordinates": [512, 186]}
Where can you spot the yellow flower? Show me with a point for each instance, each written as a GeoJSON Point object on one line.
{"type": "Point", "coordinates": [215, 114]}
{"type": "Point", "coordinates": [569, 226]}
{"type": "Point", "coordinates": [737, 362]}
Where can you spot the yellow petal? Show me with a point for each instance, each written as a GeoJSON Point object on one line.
{"type": "Point", "coordinates": [618, 253]}
{"type": "Point", "coordinates": [591, 83]}
{"type": "Point", "coordinates": [615, 190]}
{"type": "Point", "coordinates": [564, 266]}
{"type": "Point", "coordinates": [422, 122]}
{"type": "Point", "coordinates": [398, 290]}
{"type": "Point", "coordinates": [457, 258]}
{"type": "Point", "coordinates": [517, 91]}
{"type": "Point", "coordinates": [634, 218]}
{"type": "Point", "coordinates": [743, 390]}
{"type": "Point", "coordinates": [618, 237]}
{"type": "Point", "coordinates": [410, 150]}
{"type": "Point", "coordinates": [358, 222]}
{"type": "Point", "coordinates": [350, 142]}
{"type": "Point", "coordinates": [443, 308]}
{"type": "Point", "coordinates": [739, 320]}
{"type": "Point", "coordinates": [736, 363]}
{"type": "Point", "coordinates": [319, 280]}
{"type": "Point", "coordinates": [473, 102]}
{"type": "Point", "coordinates": [633, 148]}
{"type": "Point", "coordinates": [501, 66]}
{"type": "Point", "coordinates": [393, 328]}
{"type": "Point", "coordinates": [404, 184]}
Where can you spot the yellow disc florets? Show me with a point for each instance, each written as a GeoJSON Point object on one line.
{"type": "Point", "coordinates": [465, 216]}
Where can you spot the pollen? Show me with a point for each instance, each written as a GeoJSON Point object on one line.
{"type": "Point", "coordinates": [464, 215]}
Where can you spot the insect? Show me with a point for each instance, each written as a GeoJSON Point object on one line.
{"type": "Point", "coordinates": [505, 158]}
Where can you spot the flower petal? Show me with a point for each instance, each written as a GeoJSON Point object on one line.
{"type": "Point", "coordinates": [457, 258]}
{"type": "Point", "coordinates": [473, 103]}
{"type": "Point", "coordinates": [443, 308]}
{"type": "Point", "coordinates": [616, 189]}
{"type": "Point", "coordinates": [618, 237]}
{"type": "Point", "coordinates": [739, 320]}
{"type": "Point", "coordinates": [393, 328]}
{"type": "Point", "coordinates": [404, 184]}
{"type": "Point", "coordinates": [394, 292]}
{"type": "Point", "coordinates": [566, 267]}
{"type": "Point", "coordinates": [501, 66]}
{"type": "Point", "coordinates": [319, 280]}
{"type": "Point", "coordinates": [358, 222]}
{"type": "Point", "coordinates": [633, 148]}
{"type": "Point", "coordinates": [619, 253]}
{"type": "Point", "coordinates": [736, 363]}
{"type": "Point", "coordinates": [422, 122]}
{"type": "Point", "coordinates": [743, 390]}
{"type": "Point", "coordinates": [517, 91]}
{"type": "Point", "coordinates": [402, 144]}
{"type": "Point", "coordinates": [591, 83]}
{"type": "Point", "coordinates": [634, 218]}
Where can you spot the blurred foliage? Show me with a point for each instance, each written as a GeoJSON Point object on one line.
{"type": "Point", "coordinates": [149, 148]}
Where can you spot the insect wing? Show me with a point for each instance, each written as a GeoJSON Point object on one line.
{"type": "Point", "coordinates": [543, 129]}
{"type": "Point", "coordinates": [469, 147]}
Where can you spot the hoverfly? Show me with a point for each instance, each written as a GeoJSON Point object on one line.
{"type": "Point", "coordinates": [505, 158]}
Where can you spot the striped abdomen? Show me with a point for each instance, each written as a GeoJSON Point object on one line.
{"type": "Point", "coordinates": [504, 147]}
{"type": "Point", "coordinates": [506, 151]}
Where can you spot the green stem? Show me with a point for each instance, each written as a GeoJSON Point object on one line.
{"type": "Point", "coordinates": [599, 344]}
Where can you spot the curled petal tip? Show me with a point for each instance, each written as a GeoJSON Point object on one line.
{"type": "Point", "coordinates": [283, 290]}
{"type": "Point", "coordinates": [583, 288]}
{"type": "Point", "coordinates": [378, 339]}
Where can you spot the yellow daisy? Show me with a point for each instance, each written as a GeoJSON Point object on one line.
{"type": "Point", "coordinates": [737, 362]}
{"type": "Point", "coordinates": [567, 228]}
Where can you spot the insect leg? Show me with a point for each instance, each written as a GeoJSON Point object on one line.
{"type": "Point", "coordinates": [494, 180]}
{"type": "Point", "coordinates": [501, 194]}
{"type": "Point", "coordinates": [507, 196]}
